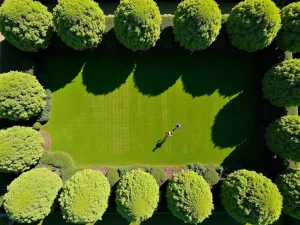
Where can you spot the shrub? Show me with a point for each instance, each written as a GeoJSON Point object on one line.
{"type": "Point", "coordinates": [167, 21]}
{"type": "Point", "coordinates": [137, 24]}
{"type": "Point", "coordinates": [20, 149]}
{"type": "Point", "coordinates": [37, 126]}
{"type": "Point", "coordinates": [253, 24]}
{"type": "Point", "coordinates": [125, 169]}
{"type": "Point", "coordinates": [197, 23]}
{"type": "Point", "coordinates": [159, 175]}
{"type": "Point", "coordinates": [26, 24]}
{"type": "Point", "coordinates": [281, 83]}
{"type": "Point", "coordinates": [84, 197]}
{"type": "Point", "coordinates": [289, 38]}
{"type": "Point", "coordinates": [113, 176]}
{"type": "Point", "coordinates": [283, 137]}
{"type": "Point", "coordinates": [208, 172]}
{"type": "Point", "coordinates": [80, 24]}
{"type": "Point", "coordinates": [21, 96]}
{"type": "Point", "coordinates": [250, 197]}
{"type": "Point", "coordinates": [289, 185]}
{"type": "Point", "coordinates": [189, 197]}
{"type": "Point", "coordinates": [137, 196]}
{"type": "Point", "coordinates": [31, 195]}
{"type": "Point", "coordinates": [60, 163]}
{"type": "Point", "coordinates": [44, 116]}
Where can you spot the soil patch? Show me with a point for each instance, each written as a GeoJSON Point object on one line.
{"type": "Point", "coordinates": [47, 139]}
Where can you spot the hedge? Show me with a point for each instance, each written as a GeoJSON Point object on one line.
{"type": "Point", "coordinates": [281, 83]}
{"type": "Point", "coordinates": [288, 183]}
{"type": "Point", "coordinates": [251, 198]}
{"type": "Point", "coordinates": [283, 137]}
{"type": "Point", "coordinates": [197, 23]}
{"type": "Point", "coordinates": [60, 163]}
{"type": "Point", "coordinates": [253, 24]}
{"type": "Point", "coordinates": [208, 172]}
{"type": "Point", "coordinates": [20, 149]}
{"type": "Point", "coordinates": [113, 176]}
{"type": "Point", "coordinates": [21, 96]}
{"type": "Point", "coordinates": [31, 195]}
{"type": "Point", "coordinates": [159, 175]}
{"type": "Point", "coordinates": [80, 24]}
{"type": "Point", "coordinates": [137, 196]}
{"type": "Point", "coordinates": [137, 24]}
{"type": "Point", "coordinates": [26, 24]}
{"type": "Point", "coordinates": [189, 197]}
{"type": "Point", "coordinates": [84, 198]}
{"type": "Point", "coordinates": [289, 34]}
{"type": "Point", "coordinates": [44, 116]}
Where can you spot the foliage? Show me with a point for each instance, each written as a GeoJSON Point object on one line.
{"type": "Point", "coordinates": [26, 24]}
{"type": "Point", "coordinates": [290, 164]}
{"type": "Point", "coordinates": [60, 163]}
{"type": "Point", "coordinates": [283, 137]}
{"type": "Point", "coordinates": [37, 126]}
{"type": "Point", "coordinates": [167, 21]}
{"type": "Point", "coordinates": [137, 196]}
{"type": "Point", "coordinates": [44, 116]}
{"type": "Point", "coordinates": [159, 175]}
{"type": "Point", "coordinates": [189, 197]}
{"type": "Point", "coordinates": [288, 183]}
{"type": "Point", "coordinates": [113, 176]}
{"type": "Point", "coordinates": [289, 36]}
{"type": "Point", "coordinates": [21, 96]}
{"type": "Point", "coordinates": [250, 197]}
{"type": "Point", "coordinates": [109, 22]}
{"type": "Point", "coordinates": [125, 169]}
{"type": "Point", "coordinates": [80, 24]}
{"type": "Point", "coordinates": [20, 149]}
{"type": "Point", "coordinates": [292, 111]}
{"type": "Point", "coordinates": [281, 83]}
{"type": "Point", "coordinates": [208, 172]}
{"type": "Point", "coordinates": [84, 197]}
{"type": "Point", "coordinates": [31, 195]}
{"type": "Point", "coordinates": [137, 24]}
{"type": "Point", "coordinates": [197, 23]}
{"type": "Point", "coordinates": [253, 24]}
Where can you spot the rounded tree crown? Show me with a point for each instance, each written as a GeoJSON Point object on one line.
{"type": "Point", "coordinates": [253, 24]}
{"type": "Point", "coordinates": [80, 24]}
{"type": "Point", "coordinates": [137, 24]}
{"type": "Point", "coordinates": [137, 196]}
{"type": "Point", "coordinates": [21, 96]}
{"type": "Point", "coordinates": [26, 24]}
{"type": "Point", "coordinates": [251, 198]}
{"type": "Point", "coordinates": [189, 197]}
{"type": "Point", "coordinates": [197, 23]}
{"type": "Point", "coordinates": [30, 196]}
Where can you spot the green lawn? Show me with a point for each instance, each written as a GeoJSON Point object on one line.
{"type": "Point", "coordinates": [111, 108]}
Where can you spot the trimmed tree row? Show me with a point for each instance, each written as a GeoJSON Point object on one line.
{"type": "Point", "coordinates": [252, 24]}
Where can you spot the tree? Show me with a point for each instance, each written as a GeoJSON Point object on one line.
{"type": "Point", "coordinates": [137, 24]}
{"type": "Point", "coordinates": [21, 96]}
{"type": "Point", "coordinates": [189, 197]}
{"type": "Point", "coordinates": [137, 196]}
{"type": "Point", "coordinates": [20, 149]}
{"type": "Point", "coordinates": [281, 83]}
{"type": "Point", "coordinates": [289, 38]}
{"type": "Point", "coordinates": [84, 197]}
{"type": "Point", "coordinates": [26, 24]}
{"type": "Point", "coordinates": [197, 23]}
{"type": "Point", "coordinates": [80, 24]}
{"type": "Point", "coordinates": [253, 24]}
{"type": "Point", "coordinates": [31, 195]}
{"type": "Point", "coordinates": [251, 198]}
{"type": "Point", "coordinates": [283, 137]}
{"type": "Point", "coordinates": [288, 183]}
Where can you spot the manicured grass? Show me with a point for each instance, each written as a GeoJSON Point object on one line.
{"type": "Point", "coordinates": [111, 108]}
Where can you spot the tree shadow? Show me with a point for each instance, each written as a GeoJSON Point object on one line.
{"type": "Point", "coordinates": [156, 72]}
{"type": "Point", "coordinates": [208, 70]}
{"type": "Point", "coordinates": [57, 68]}
{"type": "Point", "coordinates": [235, 122]}
{"type": "Point", "coordinates": [6, 179]}
{"type": "Point", "coordinates": [107, 71]}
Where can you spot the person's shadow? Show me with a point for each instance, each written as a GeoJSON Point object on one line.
{"type": "Point", "coordinates": [159, 144]}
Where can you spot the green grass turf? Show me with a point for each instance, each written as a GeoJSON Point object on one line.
{"type": "Point", "coordinates": [111, 108]}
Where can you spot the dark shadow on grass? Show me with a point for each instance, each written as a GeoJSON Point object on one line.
{"type": "Point", "coordinates": [235, 122]}
{"type": "Point", "coordinates": [105, 72]}
{"type": "Point", "coordinates": [156, 72]}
